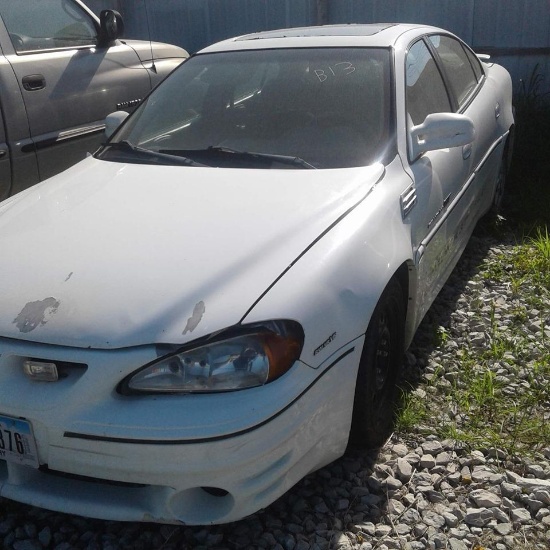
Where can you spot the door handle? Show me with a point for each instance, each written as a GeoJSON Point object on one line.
{"type": "Point", "coordinates": [33, 82]}
{"type": "Point", "coordinates": [466, 151]}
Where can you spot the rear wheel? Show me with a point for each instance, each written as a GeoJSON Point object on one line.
{"type": "Point", "coordinates": [376, 387]}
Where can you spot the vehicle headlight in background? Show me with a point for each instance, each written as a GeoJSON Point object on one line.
{"type": "Point", "coordinates": [241, 357]}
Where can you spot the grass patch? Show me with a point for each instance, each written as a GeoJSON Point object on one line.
{"type": "Point", "coordinates": [525, 269]}
{"type": "Point", "coordinates": [413, 411]}
{"type": "Point", "coordinates": [494, 394]}
{"type": "Point", "coordinates": [499, 394]}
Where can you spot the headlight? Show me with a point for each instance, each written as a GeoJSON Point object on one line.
{"type": "Point", "coordinates": [242, 357]}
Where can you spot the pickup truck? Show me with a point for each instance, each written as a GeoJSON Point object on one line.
{"type": "Point", "coordinates": [62, 70]}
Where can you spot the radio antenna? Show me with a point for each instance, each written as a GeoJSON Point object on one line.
{"type": "Point", "coordinates": [153, 66]}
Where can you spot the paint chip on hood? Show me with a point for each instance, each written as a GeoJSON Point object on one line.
{"type": "Point", "coordinates": [195, 319]}
{"type": "Point", "coordinates": [35, 314]}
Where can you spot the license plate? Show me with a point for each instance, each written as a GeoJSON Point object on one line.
{"type": "Point", "coordinates": [17, 442]}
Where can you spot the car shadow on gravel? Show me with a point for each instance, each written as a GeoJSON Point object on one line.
{"type": "Point", "coordinates": [486, 235]}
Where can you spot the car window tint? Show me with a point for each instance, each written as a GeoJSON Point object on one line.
{"type": "Point", "coordinates": [329, 106]}
{"type": "Point", "coordinates": [475, 62]}
{"type": "Point", "coordinates": [426, 92]}
{"type": "Point", "coordinates": [47, 24]}
{"type": "Point", "coordinates": [457, 66]}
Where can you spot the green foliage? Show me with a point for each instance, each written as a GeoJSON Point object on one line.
{"type": "Point", "coordinates": [441, 336]}
{"type": "Point", "coordinates": [541, 242]}
{"type": "Point", "coordinates": [412, 411]}
{"type": "Point", "coordinates": [530, 96]}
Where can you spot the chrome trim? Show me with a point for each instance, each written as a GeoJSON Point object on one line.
{"type": "Point", "coordinates": [49, 140]}
{"type": "Point", "coordinates": [408, 200]}
{"type": "Point", "coordinates": [55, 49]}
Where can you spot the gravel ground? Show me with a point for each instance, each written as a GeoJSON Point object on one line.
{"type": "Point", "coordinates": [419, 492]}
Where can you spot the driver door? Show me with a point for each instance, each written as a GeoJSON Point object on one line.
{"type": "Point", "coordinates": [67, 82]}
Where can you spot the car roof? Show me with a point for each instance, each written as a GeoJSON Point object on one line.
{"type": "Point", "coordinates": [325, 30]}
{"type": "Point", "coordinates": [352, 35]}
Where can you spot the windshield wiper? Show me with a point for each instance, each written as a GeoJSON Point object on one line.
{"type": "Point", "coordinates": [283, 159]}
{"type": "Point", "coordinates": [216, 150]}
{"type": "Point", "coordinates": [161, 157]}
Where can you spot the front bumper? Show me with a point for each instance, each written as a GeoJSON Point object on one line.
{"type": "Point", "coordinates": [195, 459]}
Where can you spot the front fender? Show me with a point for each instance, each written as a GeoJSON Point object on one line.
{"type": "Point", "coordinates": [334, 287]}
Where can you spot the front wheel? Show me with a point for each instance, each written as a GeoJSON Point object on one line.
{"type": "Point", "coordinates": [376, 387]}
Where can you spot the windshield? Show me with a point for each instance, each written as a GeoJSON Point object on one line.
{"type": "Point", "coordinates": [280, 108]}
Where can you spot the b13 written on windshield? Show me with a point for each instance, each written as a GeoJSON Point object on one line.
{"type": "Point", "coordinates": [343, 68]}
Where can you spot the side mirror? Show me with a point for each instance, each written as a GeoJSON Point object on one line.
{"type": "Point", "coordinates": [111, 27]}
{"type": "Point", "coordinates": [440, 131]}
{"type": "Point", "coordinates": [113, 121]}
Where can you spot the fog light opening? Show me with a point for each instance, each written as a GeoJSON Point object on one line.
{"type": "Point", "coordinates": [201, 505]}
{"type": "Point", "coordinates": [215, 491]}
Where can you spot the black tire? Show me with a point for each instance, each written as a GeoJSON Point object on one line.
{"type": "Point", "coordinates": [376, 393]}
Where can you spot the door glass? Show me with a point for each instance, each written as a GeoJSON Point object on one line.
{"type": "Point", "coordinates": [426, 92]}
{"type": "Point", "coordinates": [47, 24]}
{"type": "Point", "coordinates": [456, 65]}
{"type": "Point", "coordinates": [476, 64]}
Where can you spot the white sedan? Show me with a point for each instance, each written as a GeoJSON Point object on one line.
{"type": "Point", "coordinates": [217, 302]}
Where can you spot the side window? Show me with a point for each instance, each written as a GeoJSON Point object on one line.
{"type": "Point", "coordinates": [476, 64]}
{"type": "Point", "coordinates": [46, 24]}
{"type": "Point", "coordinates": [457, 66]}
{"type": "Point", "coordinates": [426, 92]}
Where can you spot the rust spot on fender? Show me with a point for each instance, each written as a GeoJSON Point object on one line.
{"type": "Point", "coordinates": [195, 319]}
{"type": "Point", "coordinates": [35, 314]}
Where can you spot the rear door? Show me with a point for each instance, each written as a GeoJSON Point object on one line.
{"type": "Point", "coordinates": [68, 83]}
{"type": "Point", "coordinates": [477, 98]}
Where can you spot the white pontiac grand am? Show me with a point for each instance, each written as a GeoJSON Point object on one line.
{"type": "Point", "coordinates": [216, 303]}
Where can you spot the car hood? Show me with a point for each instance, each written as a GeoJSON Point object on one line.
{"type": "Point", "coordinates": [159, 50]}
{"type": "Point", "coordinates": [109, 255]}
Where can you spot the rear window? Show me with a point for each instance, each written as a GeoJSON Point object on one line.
{"type": "Point", "coordinates": [457, 66]}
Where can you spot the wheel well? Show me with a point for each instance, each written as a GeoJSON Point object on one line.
{"type": "Point", "coordinates": [406, 277]}
{"type": "Point", "coordinates": [509, 147]}
{"type": "Point", "coordinates": [402, 275]}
